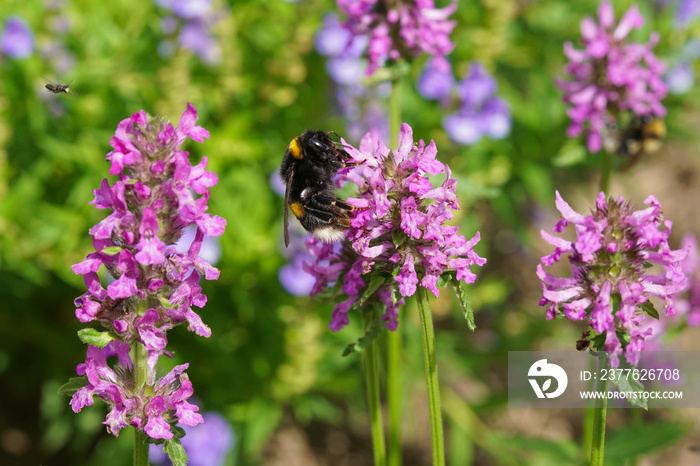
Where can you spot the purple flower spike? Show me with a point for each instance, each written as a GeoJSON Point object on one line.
{"type": "Point", "coordinates": [609, 258]}
{"type": "Point", "coordinates": [406, 29]}
{"type": "Point", "coordinates": [611, 75]}
{"type": "Point", "coordinates": [159, 195]}
{"type": "Point", "coordinates": [17, 38]}
{"type": "Point", "coordinates": [398, 229]}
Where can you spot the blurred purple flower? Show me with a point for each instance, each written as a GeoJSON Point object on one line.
{"type": "Point", "coordinates": [463, 127]}
{"type": "Point", "coordinates": [687, 302]}
{"type": "Point", "coordinates": [17, 38]}
{"type": "Point", "coordinates": [398, 228]}
{"type": "Point", "coordinates": [346, 67]}
{"type": "Point", "coordinates": [191, 9]}
{"type": "Point", "coordinates": [680, 79]}
{"type": "Point", "coordinates": [688, 12]}
{"type": "Point", "coordinates": [406, 29]}
{"type": "Point", "coordinates": [210, 249]}
{"type": "Point", "coordinates": [206, 444]}
{"type": "Point", "coordinates": [481, 112]}
{"type": "Point", "coordinates": [477, 87]}
{"type": "Point", "coordinates": [194, 19]}
{"type": "Point", "coordinates": [294, 278]}
{"type": "Point", "coordinates": [435, 83]}
{"type": "Point", "coordinates": [195, 37]}
{"type": "Point", "coordinates": [60, 58]}
{"type": "Point", "coordinates": [332, 40]}
{"type": "Point", "coordinates": [346, 71]}
{"type": "Point", "coordinates": [611, 75]}
{"type": "Point", "coordinates": [613, 246]}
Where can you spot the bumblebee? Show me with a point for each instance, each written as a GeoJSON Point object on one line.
{"type": "Point", "coordinates": [308, 167]}
{"type": "Point", "coordinates": [643, 135]}
{"type": "Point", "coordinates": [61, 88]}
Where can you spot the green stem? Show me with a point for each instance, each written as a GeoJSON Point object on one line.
{"type": "Point", "coordinates": [605, 171]}
{"type": "Point", "coordinates": [395, 112]}
{"type": "Point", "coordinates": [426, 320]}
{"type": "Point", "coordinates": [140, 374]}
{"type": "Point", "coordinates": [375, 413]}
{"type": "Point", "coordinates": [394, 338]}
{"type": "Point", "coordinates": [599, 417]}
{"type": "Point", "coordinates": [394, 395]}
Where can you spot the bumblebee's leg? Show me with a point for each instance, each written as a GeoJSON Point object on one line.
{"type": "Point", "coordinates": [335, 210]}
{"type": "Point", "coordinates": [322, 201]}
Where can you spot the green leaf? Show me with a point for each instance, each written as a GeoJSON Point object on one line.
{"type": "Point", "coordinates": [629, 384]}
{"type": "Point", "coordinates": [111, 250]}
{"type": "Point", "coordinates": [649, 308]}
{"type": "Point", "coordinates": [571, 153]}
{"type": "Point", "coordinates": [598, 341]}
{"type": "Point", "coordinates": [95, 337]}
{"type": "Point", "coordinates": [377, 280]}
{"type": "Point", "coordinates": [73, 385]}
{"type": "Point", "coordinates": [628, 442]}
{"type": "Point", "coordinates": [165, 302]}
{"type": "Point", "coordinates": [464, 302]}
{"type": "Point", "coordinates": [177, 431]}
{"type": "Point", "coordinates": [372, 331]}
{"type": "Point", "coordinates": [444, 279]}
{"type": "Point", "coordinates": [175, 452]}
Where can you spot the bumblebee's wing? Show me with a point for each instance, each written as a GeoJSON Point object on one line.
{"type": "Point", "coordinates": [286, 208]}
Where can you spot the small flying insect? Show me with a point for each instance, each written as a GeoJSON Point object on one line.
{"type": "Point", "coordinates": [309, 165]}
{"type": "Point", "coordinates": [61, 88]}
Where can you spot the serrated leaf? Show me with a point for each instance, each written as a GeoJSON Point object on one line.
{"type": "Point", "coordinates": [444, 279]}
{"type": "Point", "coordinates": [598, 341]}
{"type": "Point", "coordinates": [649, 308]}
{"type": "Point", "coordinates": [377, 280]}
{"type": "Point", "coordinates": [94, 337]}
{"type": "Point", "coordinates": [175, 452]}
{"type": "Point", "coordinates": [399, 238]}
{"type": "Point", "coordinates": [631, 385]}
{"type": "Point", "coordinates": [464, 302]}
{"type": "Point", "coordinates": [73, 385]}
{"type": "Point", "coordinates": [372, 331]}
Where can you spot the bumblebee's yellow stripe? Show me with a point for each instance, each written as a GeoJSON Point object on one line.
{"type": "Point", "coordinates": [296, 209]}
{"type": "Point", "coordinates": [295, 149]}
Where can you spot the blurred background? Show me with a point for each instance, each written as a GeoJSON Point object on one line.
{"type": "Point", "coordinates": [259, 74]}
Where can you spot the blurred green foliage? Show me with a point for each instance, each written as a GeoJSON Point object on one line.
{"type": "Point", "coordinates": [271, 362]}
